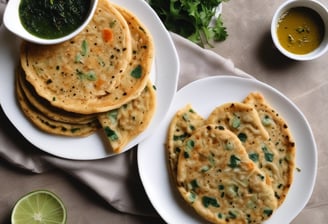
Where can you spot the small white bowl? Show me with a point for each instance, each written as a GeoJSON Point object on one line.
{"type": "Point", "coordinates": [312, 4]}
{"type": "Point", "coordinates": [12, 22]}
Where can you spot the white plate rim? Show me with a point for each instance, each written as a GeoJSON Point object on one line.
{"type": "Point", "coordinates": [164, 75]}
{"type": "Point", "coordinates": [305, 179]}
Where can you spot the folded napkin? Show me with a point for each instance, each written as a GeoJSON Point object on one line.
{"type": "Point", "coordinates": [116, 179]}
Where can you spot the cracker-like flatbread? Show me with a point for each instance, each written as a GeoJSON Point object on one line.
{"type": "Point", "coordinates": [121, 125]}
{"type": "Point", "coordinates": [217, 178]}
{"type": "Point", "coordinates": [280, 143]}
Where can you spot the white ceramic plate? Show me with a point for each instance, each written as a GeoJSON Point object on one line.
{"type": "Point", "coordinates": [205, 95]}
{"type": "Point", "coordinates": [164, 74]}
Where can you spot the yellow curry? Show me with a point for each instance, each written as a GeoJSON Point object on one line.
{"type": "Point", "coordinates": [300, 30]}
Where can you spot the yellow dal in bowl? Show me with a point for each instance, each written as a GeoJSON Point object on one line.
{"type": "Point", "coordinates": [300, 30]}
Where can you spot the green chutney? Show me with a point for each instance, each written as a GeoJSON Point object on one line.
{"type": "Point", "coordinates": [52, 19]}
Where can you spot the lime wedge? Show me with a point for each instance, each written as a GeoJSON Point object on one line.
{"type": "Point", "coordinates": [37, 207]}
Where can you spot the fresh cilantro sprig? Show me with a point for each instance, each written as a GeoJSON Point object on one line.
{"type": "Point", "coordinates": [192, 19]}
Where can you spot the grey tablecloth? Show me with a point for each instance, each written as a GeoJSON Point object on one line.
{"type": "Point", "coordinates": [120, 173]}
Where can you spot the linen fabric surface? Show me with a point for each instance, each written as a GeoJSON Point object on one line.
{"type": "Point", "coordinates": [116, 179]}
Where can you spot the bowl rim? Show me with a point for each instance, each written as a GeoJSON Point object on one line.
{"type": "Point", "coordinates": [12, 22]}
{"type": "Point", "coordinates": [312, 4]}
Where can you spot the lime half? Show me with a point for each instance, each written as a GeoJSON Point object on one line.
{"type": "Point", "coordinates": [37, 207]}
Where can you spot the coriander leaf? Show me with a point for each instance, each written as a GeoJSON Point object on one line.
{"type": "Point", "coordinates": [219, 30]}
{"type": "Point", "coordinates": [137, 72]}
{"type": "Point", "coordinates": [192, 19]}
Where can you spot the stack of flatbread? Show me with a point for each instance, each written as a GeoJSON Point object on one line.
{"type": "Point", "coordinates": [99, 80]}
{"type": "Point", "coordinates": [237, 165]}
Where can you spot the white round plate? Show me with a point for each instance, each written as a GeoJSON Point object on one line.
{"type": "Point", "coordinates": [204, 95]}
{"type": "Point", "coordinates": [164, 75]}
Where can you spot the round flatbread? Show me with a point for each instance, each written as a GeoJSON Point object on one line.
{"type": "Point", "coordinates": [50, 126]}
{"type": "Point", "coordinates": [97, 70]}
{"type": "Point", "coordinates": [45, 108]}
{"type": "Point", "coordinates": [137, 74]}
{"type": "Point", "coordinates": [121, 125]}
{"type": "Point", "coordinates": [218, 179]}
{"type": "Point", "coordinates": [281, 150]}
